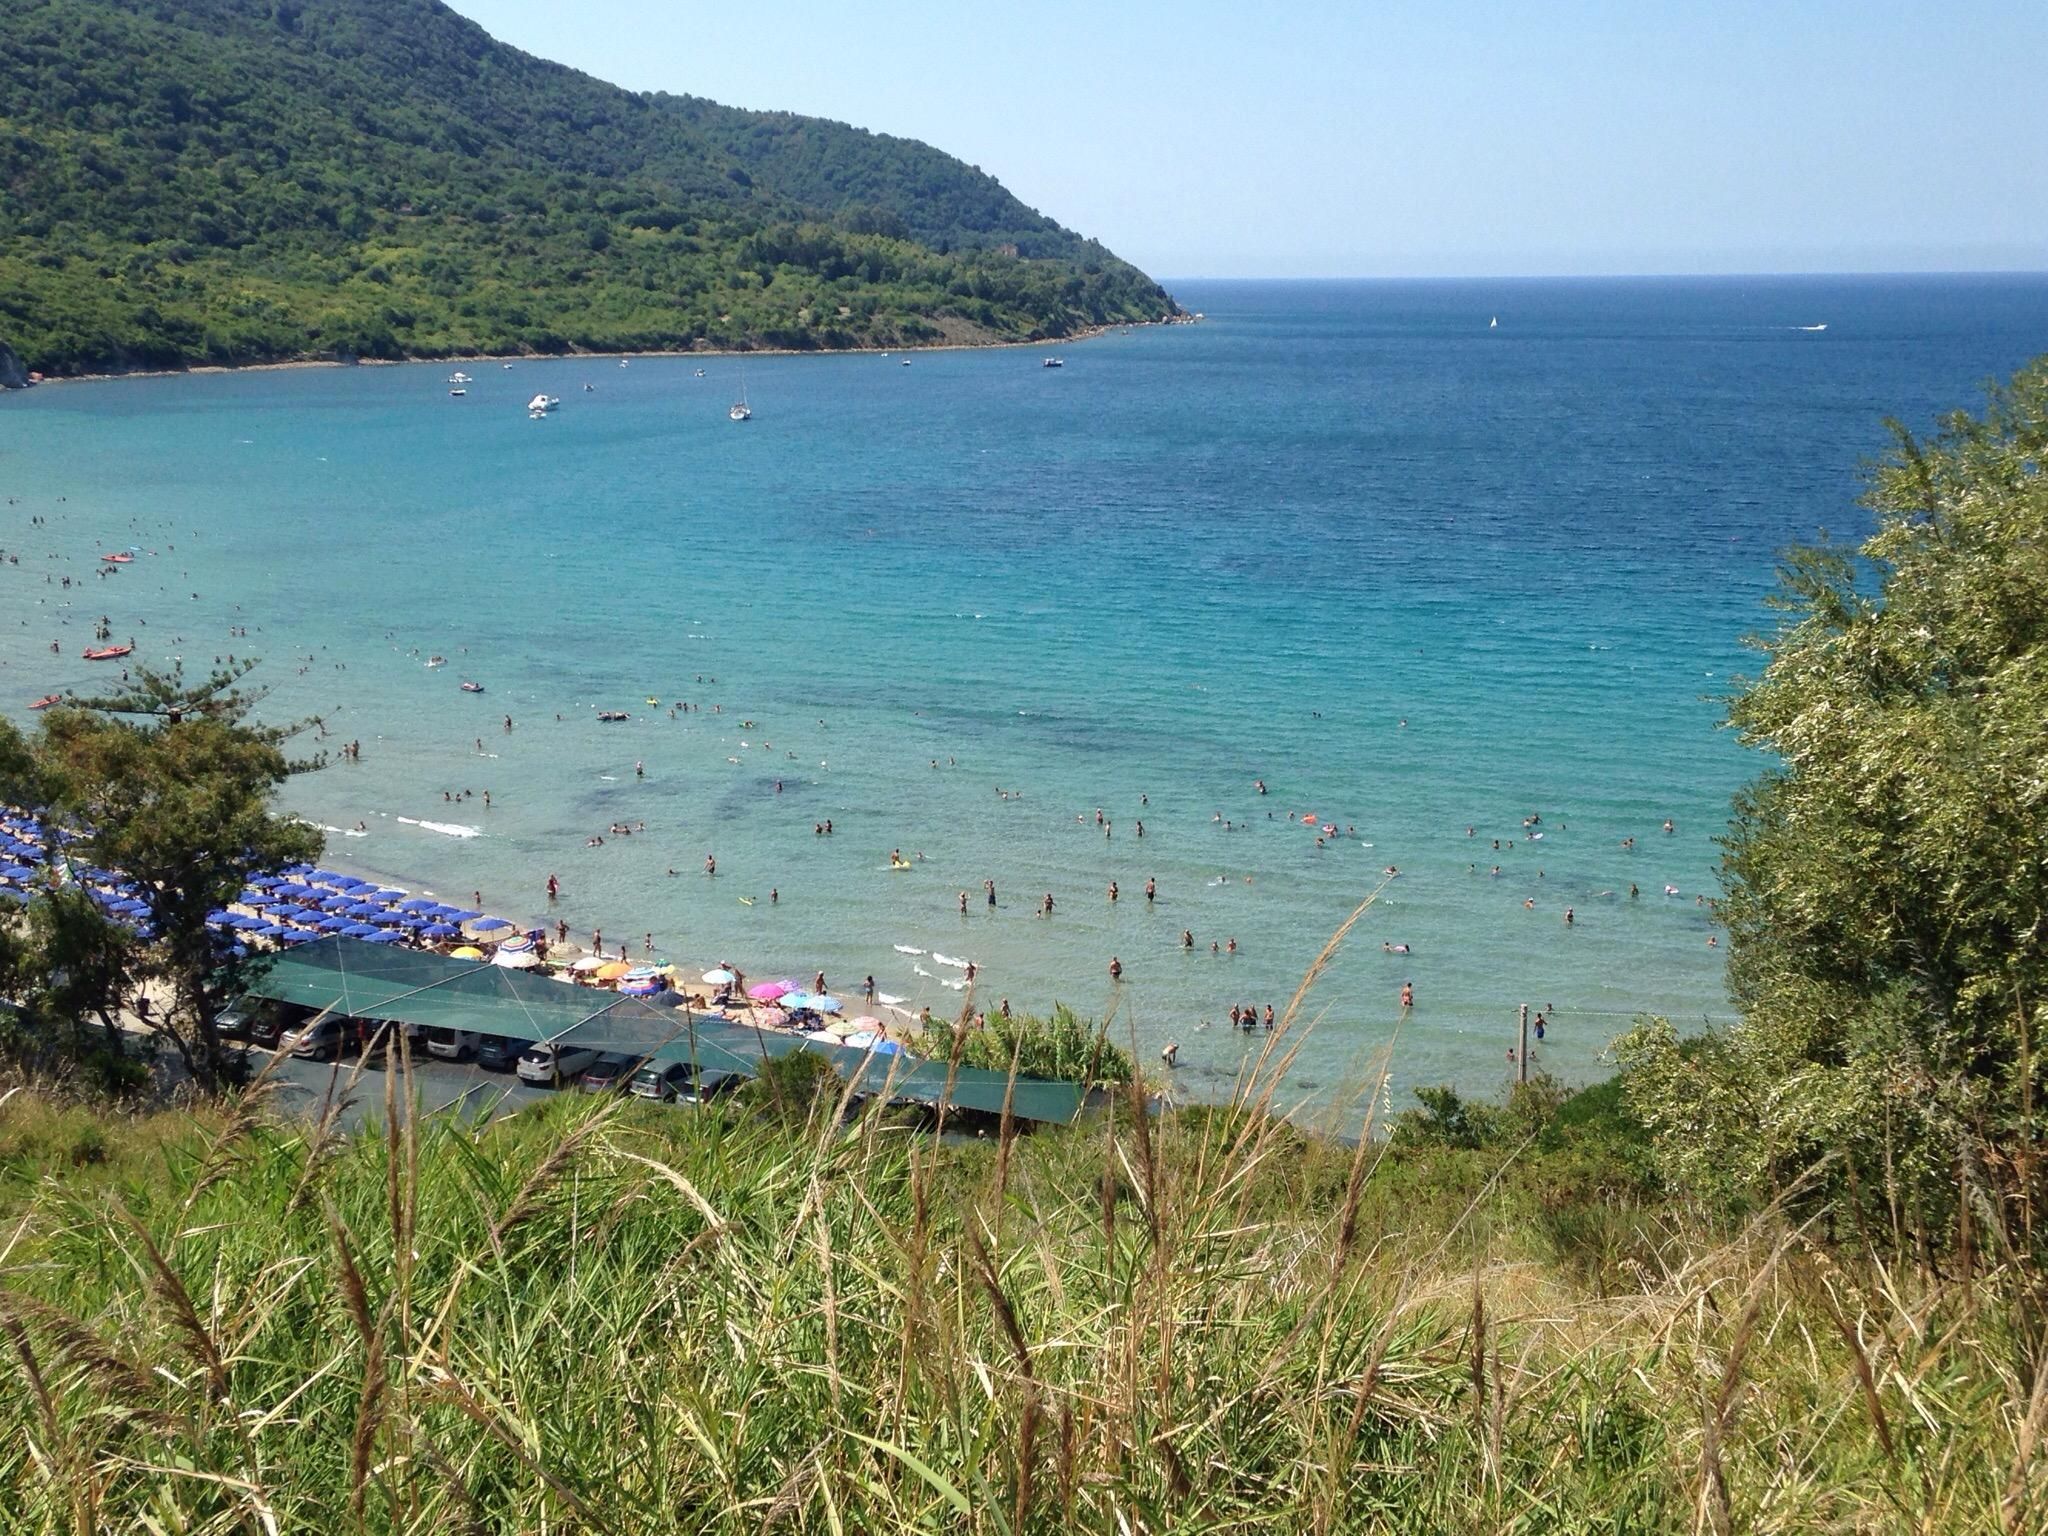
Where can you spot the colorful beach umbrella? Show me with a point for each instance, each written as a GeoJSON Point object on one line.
{"type": "Point", "coordinates": [766, 991]}
{"type": "Point", "coordinates": [720, 977]}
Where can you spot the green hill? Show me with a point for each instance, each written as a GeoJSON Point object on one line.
{"type": "Point", "coordinates": [226, 181]}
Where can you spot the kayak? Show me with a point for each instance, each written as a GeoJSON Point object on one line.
{"type": "Point", "coordinates": [118, 559]}
{"type": "Point", "coordinates": [107, 652]}
{"type": "Point", "coordinates": [46, 701]}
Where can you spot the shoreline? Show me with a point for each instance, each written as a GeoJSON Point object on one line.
{"type": "Point", "coordinates": [281, 365]}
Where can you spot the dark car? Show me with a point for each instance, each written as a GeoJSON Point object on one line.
{"type": "Point", "coordinates": [712, 1085]}
{"type": "Point", "coordinates": [663, 1080]}
{"type": "Point", "coordinates": [609, 1073]}
{"type": "Point", "coordinates": [497, 1054]}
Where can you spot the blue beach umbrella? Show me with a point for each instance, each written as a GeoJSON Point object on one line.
{"type": "Point", "coordinates": [418, 904]}
{"type": "Point", "coordinates": [440, 930]}
{"type": "Point", "coordinates": [333, 924]}
{"type": "Point", "coordinates": [386, 896]}
{"type": "Point", "coordinates": [489, 924]}
{"type": "Point", "coordinates": [414, 920]}
{"type": "Point", "coordinates": [358, 931]}
{"type": "Point", "coordinates": [380, 936]}
{"type": "Point", "coordinates": [363, 909]}
{"type": "Point", "coordinates": [336, 904]}
{"type": "Point", "coordinates": [385, 920]}
{"type": "Point", "coordinates": [457, 915]}
{"type": "Point", "coordinates": [270, 930]}
{"type": "Point", "coordinates": [16, 872]}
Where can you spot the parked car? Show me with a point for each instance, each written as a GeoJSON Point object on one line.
{"type": "Point", "coordinates": [452, 1044]}
{"type": "Point", "coordinates": [495, 1053]}
{"type": "Point", "coordinates": [318, 1039]}
{"type": "Point", "coordinates": [609, 1073]}
{"type": "Point", "coordinates": [663, 1080]}
{"type": "Point", "coordinates": [554, 1064]}
{"type": "Point", "coordinates": [712, 1085]}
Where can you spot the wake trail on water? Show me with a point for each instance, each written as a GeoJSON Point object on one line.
{"type": "Point", "coordinates": [445, 828]}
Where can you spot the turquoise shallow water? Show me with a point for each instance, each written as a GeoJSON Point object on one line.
{"type": "Point", "coordinates": [1189, 559]}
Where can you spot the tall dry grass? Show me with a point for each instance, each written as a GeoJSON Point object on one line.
{"type": "Point", "coordinates": [604, 1316]}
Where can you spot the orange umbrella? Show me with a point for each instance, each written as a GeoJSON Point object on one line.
{"type": "Point", "coordinates": [612, 972]}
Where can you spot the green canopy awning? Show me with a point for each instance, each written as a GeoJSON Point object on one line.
{"type": "Point", "coordinates": [390, 984]}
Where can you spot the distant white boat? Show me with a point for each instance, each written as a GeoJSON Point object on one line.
{"type": "Point", "coordinates": [1054, 362]}
{"type": "Point", "coordinates": [540, 405]}
{"type": "Point", "coordinates": [1493, 324]}
{"type": "Point", "coordinates": [741, 411]}
{"type": "Point", "coordinates": [458, 377]}
{"type": "Point", "coordinates": [1821, 327]}
{"type": "Point", "coordinates": [458, 393]}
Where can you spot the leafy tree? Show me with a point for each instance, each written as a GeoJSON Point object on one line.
{"type": "Point", "coordinates": [1887, 878]}
{"type": "Point", "coordinates": [171, 785]}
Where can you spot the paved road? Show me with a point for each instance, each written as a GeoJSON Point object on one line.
{"type": "Point", "coordinates": [308, 1087]}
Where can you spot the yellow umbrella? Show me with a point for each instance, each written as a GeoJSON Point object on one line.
{"type": "Point", "coordinates": [467, 952]}
{"type": "Point", "coordinates": [613, 971]}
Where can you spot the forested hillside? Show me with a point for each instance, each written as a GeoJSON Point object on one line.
{"type": "Point", "coordinates": [239, 180]}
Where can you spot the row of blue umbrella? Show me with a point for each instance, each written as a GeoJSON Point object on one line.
{"type": "Point", "coordinates": [297, 904]}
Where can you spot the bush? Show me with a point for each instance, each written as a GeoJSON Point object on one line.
{"type": "Point", "coordinates": [792, 1087]}
{"type": "Point", "coordinates": [1065, 1046]}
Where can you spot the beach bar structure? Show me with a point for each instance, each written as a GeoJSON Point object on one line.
{"type": "Point", "coordinates": [389, 984]}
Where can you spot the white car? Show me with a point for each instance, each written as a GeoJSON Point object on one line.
{"type": "Point", "coordinates": [451, 1044]}
{"type": "Point", "coordinates": [553, 1064]}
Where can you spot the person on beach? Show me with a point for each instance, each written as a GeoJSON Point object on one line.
{"type": "Point", "coordinates": [867, 989]}
{"type": "Point", "coordinates": [597, 942]}
{"type": "Point", "coordinates": [561, 931]}
{"type": "Point", "coordinates": [818, 984]}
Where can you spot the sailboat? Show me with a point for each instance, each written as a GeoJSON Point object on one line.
{"type": "Point", "coordinates": [741, 411]}
{"type": "Point", "coordinates": [1493, 324]}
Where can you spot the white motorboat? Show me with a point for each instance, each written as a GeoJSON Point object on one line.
{"type": "Point", "coordinates": [540, 405]}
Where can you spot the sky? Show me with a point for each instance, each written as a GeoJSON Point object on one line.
{"type": "Point", "coordinates": [1414, 139]}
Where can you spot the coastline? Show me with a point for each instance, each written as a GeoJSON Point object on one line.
{"type": "Point", "coordinates": [280, 365]}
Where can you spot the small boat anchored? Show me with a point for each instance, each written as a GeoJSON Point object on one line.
{"type": "Point", "coordinates": [107, 652]}
{"type": "Point", "coordinates": [1054, 362]}
{"type": "Point", "coordinates": [469, 687]}
{"type": "Point", "coordinates": [459, 377]}
{"type": "Point", "coordinates": [457, 394]}
{"type": "Point", "coordinates": [540, 405]}
{"type": "Point", "coordinates": [741, 411]}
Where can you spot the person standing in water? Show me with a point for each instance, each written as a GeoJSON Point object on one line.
{"type": "Point", "coordinates": [710, 864]}
{"type": "Point", "coordinates": [1151, 888]}
{"type": "Point", "coordinates": [1407, 995]}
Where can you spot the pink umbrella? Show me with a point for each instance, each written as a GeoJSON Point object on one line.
{"type": "Point", "coordinates": [768, 991]}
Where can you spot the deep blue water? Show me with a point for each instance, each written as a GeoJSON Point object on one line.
{"type": "Point", "coordinates": [1191, 558]}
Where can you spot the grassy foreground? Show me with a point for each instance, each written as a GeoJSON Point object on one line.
{"type": "Point", "coordinates": [603, 1316]}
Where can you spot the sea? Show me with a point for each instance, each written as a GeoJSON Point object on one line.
{"type": "Point", "coordinates": [1442, 565]}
